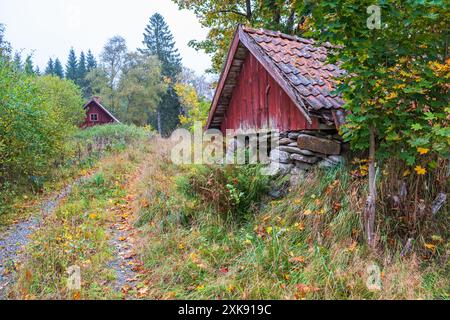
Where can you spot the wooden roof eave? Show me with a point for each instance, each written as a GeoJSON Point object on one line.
{"type": "Point", "coordinates": [223, 77]}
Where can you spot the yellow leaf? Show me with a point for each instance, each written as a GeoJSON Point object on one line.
{"type": "Point", "coordinates": [299, 259]}
{"type": "Point", "coordinates": [269, 230]}
{"type": "Point", "coordinates": [423, 150]}
{"type": "Point", "coordinates": [307, 212]}
{"type": "Point", "coordinates": [230, 288]}
{"type": "Point", "coordinates": [430, 246]}
{"type": "Point", "coordinates": [406, 173]}
{"type": "Point", "coordinates": [122, 239]}
{"type": "Point", "coordinates": [299, 226]}
{"type": "Point", "coordinates": [420, 170]}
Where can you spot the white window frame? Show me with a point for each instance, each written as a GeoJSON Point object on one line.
{"type": "Point", "coordinates": [91, 116]}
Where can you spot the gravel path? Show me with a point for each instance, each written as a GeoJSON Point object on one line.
{"type": "Point", "coordinates": [124, 238]}
{"type": "Point", "coordinates": [126, 264]}
{"type": "Point", "coordinates": [17, 236]}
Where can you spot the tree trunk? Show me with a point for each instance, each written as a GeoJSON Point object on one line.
{"type": "Point", "coordinates": [290, 22]}
{"type": "Point", "coordinates": [249, 10]}
{"type": "Point", "coordinates": [369, 212]}
{"type": "Point", "coordinates": [158, 117]}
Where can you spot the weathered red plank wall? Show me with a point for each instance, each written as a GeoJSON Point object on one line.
{"type": "Point", "coordinates": [258, 102]}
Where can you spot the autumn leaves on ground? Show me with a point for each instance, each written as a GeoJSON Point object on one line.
{"type": "Point", "coordinates": [140, 227]}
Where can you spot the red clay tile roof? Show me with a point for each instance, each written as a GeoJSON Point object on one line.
{"type": "Point", "coordinates": [303, 64]}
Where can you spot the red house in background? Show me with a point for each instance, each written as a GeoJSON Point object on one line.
{"type": "Point", "coordinates": [273, 80]}
{"type": "Point", "coordinates": [97, 114]}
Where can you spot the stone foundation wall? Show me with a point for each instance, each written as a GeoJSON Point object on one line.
{"type": "Point", "coordinates": [299, 151]}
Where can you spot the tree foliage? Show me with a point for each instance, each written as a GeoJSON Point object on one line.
{"type": "Point", "coordinates": [91, 62]}
{"type": "Point", "coordinates": [112, 60]}
{"type": "Point", "coordinates": [50, 68]}
{"type": "Point", "coordinates": [81, 71]}
{"type": "Point", "coordinates": [397, 76]}
{"type": "Point", "coordinates": [396, 84]}
{"type": "Point", "coordinates": [28, 67]}
{"type": "Point", "coordinates": [195, 109]}
{"type": "Point", "coordinates": [58, 69]}
{"type": "Point", "coordinates": [140, 88]}
{"type": "Point", "coordinates": [64, 98]}
{"type": "Point", "coordinates": [221, 17]}
{"type": "Point", "coordinates": [158, 41]}
{"type": "Point", "coordinates": [37, 114]}
{"type": "Point", "coordinates": [72, 66]}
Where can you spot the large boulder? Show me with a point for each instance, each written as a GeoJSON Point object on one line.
{"type": "Point", "coordinates": [317, 144]}
{"type": "Point", "coordinates": [277, 155]}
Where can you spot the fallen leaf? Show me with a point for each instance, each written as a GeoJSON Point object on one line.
{"type": "Point", "coordinates": [224, 270]}
{"type": "Point", "coordinates": [298, 259]}
{"type": "Point", "coordinates": [430, 246]}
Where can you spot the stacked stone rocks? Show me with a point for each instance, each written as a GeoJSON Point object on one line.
{"type": "Point", "coordinates": [299, 151]}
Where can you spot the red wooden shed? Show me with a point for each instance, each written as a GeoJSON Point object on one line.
{"type": "Point", "coordinates": [97, 114]}
{"type": "Point", "coordinates": [275, 81]}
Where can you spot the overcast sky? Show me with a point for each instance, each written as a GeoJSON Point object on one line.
{"type": "Point", "coordinates": [51, 27]}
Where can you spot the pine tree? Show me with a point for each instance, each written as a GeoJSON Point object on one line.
{"type": "Point", "coordinates": [72, 66]}
{"type": "Point", "coordinates": [58, 69]}
{"type": "Point", "coordinates": [17, 62]}
{"type": "Point", "coordinates": [50, 69]}
{"type": "Point", "coordinates": [91, 63]}
{"type": "Point", "coordinates": [81, 71]}
{"type": "Point", "coordinates": [28, 68]}
{"type": "Point", "coordinates": [158, 41]}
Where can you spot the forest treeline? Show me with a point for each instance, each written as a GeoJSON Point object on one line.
{"type": "Point", "coordinates": [146, 86]}
{"type": "Point", "coordinates": [41, 111]}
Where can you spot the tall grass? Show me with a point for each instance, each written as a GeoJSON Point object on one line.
{"type": "Point", "coordinates": [307, 245]}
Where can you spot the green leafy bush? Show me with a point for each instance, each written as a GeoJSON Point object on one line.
{"type": "Point", "coordinates": [229, 190]}
{"type": "Point", "coordinates": [30, 133]}
{"type": "Point", "coordinates": [64, 98]}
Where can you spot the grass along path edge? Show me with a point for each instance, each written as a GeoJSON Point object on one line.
{"type": "Point", "coordinates": [13, 239]}
{"type": "Point", "coordinates": [77, 234]}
